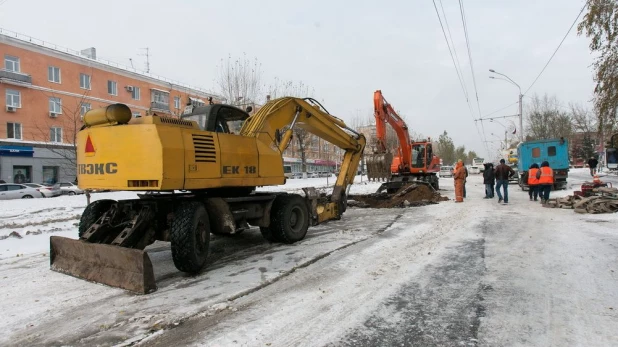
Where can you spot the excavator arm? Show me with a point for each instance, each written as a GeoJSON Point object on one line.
{"type": "Point", "coordinates": [274, 125]}
{"type": "Point", "coordinates": [384, 113]}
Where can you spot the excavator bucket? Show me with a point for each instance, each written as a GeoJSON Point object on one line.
{"type": "Point", "coordinates": [120, 267]}
{"type": "Point", "coordinates": [379, 166]}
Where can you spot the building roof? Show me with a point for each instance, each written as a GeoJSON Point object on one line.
{"type": "Point", "coordinates": [8, 35]}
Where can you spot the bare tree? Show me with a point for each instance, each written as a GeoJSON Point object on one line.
{"type": "Point", "coordinates": [240, 80]}
{"type": "Point", "coordinates": [282, 88]}
{"type": "Point", "coordinates": [60, 136]}
{"type": "Point", "coordinates": [546, 120]}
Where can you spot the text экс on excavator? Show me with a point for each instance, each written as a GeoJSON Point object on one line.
{"type": "Point", "coordinates": [218, 154]}
{"type": "Point", "coordinates": [414, 161]}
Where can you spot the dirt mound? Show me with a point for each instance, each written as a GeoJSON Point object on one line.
{"type": "Point", "coordinates": [411, 195]}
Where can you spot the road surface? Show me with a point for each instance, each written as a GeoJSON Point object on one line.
{"type": "Point", "coordinates": [473, 274]}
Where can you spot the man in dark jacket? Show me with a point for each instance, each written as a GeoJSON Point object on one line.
{"type": "Point", "coordinates": [592, 164]}
{"type": "Point", "coordinates": [503, 172]}
{"type": "Point", "coordinates": [489, 179]}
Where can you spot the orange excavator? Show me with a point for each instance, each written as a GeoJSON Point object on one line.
{"type": "Point", "coordinates": [414, 160]}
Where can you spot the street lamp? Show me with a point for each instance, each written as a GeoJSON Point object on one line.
{"type": "Point", "coordinates": [521, 120]}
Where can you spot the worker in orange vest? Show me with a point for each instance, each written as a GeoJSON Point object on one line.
{"type": "Point", "coordinates": [533, 182]}
{"type": "Point", "coordinates": [546, 181]}
{"type": "Point", "coordinates": [459, 177]}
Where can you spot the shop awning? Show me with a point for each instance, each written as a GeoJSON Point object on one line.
{"type": "Point", "coordinates": [16, 151]}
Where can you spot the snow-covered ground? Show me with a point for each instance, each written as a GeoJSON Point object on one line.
{"type": "Point", "coordinates": [469, 274]}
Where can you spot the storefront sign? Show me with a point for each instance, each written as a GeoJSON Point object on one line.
{"type": "Point", "coordinates": [16, 151]}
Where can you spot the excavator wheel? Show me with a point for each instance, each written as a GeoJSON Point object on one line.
{"type": "Point", "coordinates": [92, 213]}
{"type": "Point", "coordinates": [289, 218]}
{"type": "Point", "coordinates": [190, 236]}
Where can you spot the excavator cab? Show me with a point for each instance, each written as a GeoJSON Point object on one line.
{"type": "Point", "coordinates": [218, 118]}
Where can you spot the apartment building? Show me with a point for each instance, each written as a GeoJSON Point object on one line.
{"type": "Point", "coordinates": [47, 91]}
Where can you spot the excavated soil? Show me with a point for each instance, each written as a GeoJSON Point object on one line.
{"type": "Point", "coordinates": [411, 195]}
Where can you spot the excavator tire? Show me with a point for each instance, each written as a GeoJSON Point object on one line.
{"type": "Point", "coordinates": [92, 213]}
{"type": "Point", "coordinates": [190, 236]}
{"type": "Point", "coordinates": [289, 219]}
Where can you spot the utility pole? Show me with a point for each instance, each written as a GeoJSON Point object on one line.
{"type": "Point", "coordinates": [521, 118]}
{"type": "Point", "coordinates": [521, 96]}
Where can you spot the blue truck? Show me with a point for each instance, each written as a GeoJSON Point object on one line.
{"type": "Point", "coordinates": [554, 151]}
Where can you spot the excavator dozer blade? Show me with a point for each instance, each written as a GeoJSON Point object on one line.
{"type": "Point", "coordinates": [379, 166]}
{"type": "Point", "coordinates": [115, 266]}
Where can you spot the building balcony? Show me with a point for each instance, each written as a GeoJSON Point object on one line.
{"type": "Point", "coordinates": [12, 76]}
{"type": "Point", "coordinates": [159, 106]}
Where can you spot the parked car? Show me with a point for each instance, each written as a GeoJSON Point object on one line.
{"type": "Point", "coordinates": [298, 175]}
{"type": "Point", "coordinates": [68, 188]}
{"type": "Point", "coordinates": [10, 191]}
{"type": "Point", "coordinates": [47, 191]}
{"type": "Point", "coordinates": [446, 171]}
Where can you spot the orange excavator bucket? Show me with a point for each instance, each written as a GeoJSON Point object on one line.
{"type": "Point", "coordinates": [120, 267]}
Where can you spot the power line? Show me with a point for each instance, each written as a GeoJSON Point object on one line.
{"type": "Point", "coordinates": [451, 53]}
{"type": "Point", "coordinates": [458, 74]}
{"type": "Point", "coordinates": [478, 104]}
{"type": "Point", "coordinates": [459, 71]}
{"type": "Point", "coordinates": [559, 45]}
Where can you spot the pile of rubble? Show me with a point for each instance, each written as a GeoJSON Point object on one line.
{"type": "Point", "coordinates": [604, 200]}
{"type": "Point", "coordinates": [411, 195]}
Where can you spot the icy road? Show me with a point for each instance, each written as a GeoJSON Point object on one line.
{"type": "Point", "coordinates": [471, 274]}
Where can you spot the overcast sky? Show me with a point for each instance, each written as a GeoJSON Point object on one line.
{"type": "Point", "coordinates": [345, 50]}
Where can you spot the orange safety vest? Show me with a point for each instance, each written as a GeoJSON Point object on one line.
{"type": "Point", "coordinates": [547, 175]}
{"type": "Point", "coordinates": [532, 180]}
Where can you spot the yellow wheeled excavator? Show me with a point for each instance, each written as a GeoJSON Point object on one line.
{"type": "Point", "coordinates": [196, 175]}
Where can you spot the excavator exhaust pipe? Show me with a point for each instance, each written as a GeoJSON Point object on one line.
{"type": "Point", "coordinates": [379, 166]}
{"type": "Point", "coordinates": [119, 267]}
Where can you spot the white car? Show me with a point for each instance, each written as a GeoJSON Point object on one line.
{"type": "Point", "coordinates": [68, 188]}
{"type": "Point", "coordinates": [47, 191]}
{"type": "Point", "coordinates": [446, 171]}
{"type": "Point", "coordinates": [10, 191]}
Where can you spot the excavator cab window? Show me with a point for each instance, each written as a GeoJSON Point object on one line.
{"type": "Point", "coordinates": [218, 118]}
{"type": "Point", "coordinates": [229, 120]}
{"type": "Point", "coordinates": [418, 156]}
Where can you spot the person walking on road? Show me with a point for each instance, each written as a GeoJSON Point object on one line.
{"type": "Point", "coordinates": [489, 179]}
{"type": "Point", "coordinates": [592, 164]}
{"type": "Point", "coordinates": [503, 173]}
{"type": "Point", "coordinates": [459, 176]}
{"type": "Point", "coordinates": [533, 182]}
{"type": "Point", "coordinates": [465, 180]}
{"type": "Point", "coordinates": [545, 176]}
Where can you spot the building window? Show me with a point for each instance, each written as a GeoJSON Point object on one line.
{"type": "Point", "coordinates": [84, 107]}
{"type": "Point", "coordinates": [55, 134]}
{"type": "Point", "coordinates": [112, 88]}
{"type": "Point", "coordinates": [13, 131]}
{"type": "Point", "coordinates": [137, 114]}
{"type": "Point", "coordinates": [50, 174]}
{"type": "Point", "coordinates": [160, 99]}
{"type": "Point", "coordinates": [13, 98]}
{"type": "Point", "coordinates": [21, 174]}
{"type": "Point", "coordinates": [177, 102]}
{"type": "Point", "coordinates": [53, 74]}
{"type": "Point", "coordinates": [55, 105]}
{"type": "Point", "coordinates": [135, 94]}
{"type": "Point", "coordinates": [11, 63]}
{"type": "Point", "coordinates": [84, 81]}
